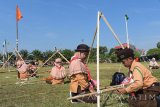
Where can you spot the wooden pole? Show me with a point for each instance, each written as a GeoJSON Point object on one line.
{"type": "Point", "coordinates": [19, 54]}
{"type": "Point", "coordinates": [7, 60]}
{"type": "Point", "coordinates": [47, 60]}
{"type": "Point", "coordinates": [107, 89]}
{"type": "Point", "coordinates": [114, 34]}
{"type": "Point", "coordinates": [63, 56]}
{"type": "Point", "coordinates": [94, 37]}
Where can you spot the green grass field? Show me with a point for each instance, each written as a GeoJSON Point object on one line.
{"type": "Point", "coordinates": [37, 93]}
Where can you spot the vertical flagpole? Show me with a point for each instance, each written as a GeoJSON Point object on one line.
{"type": "Point", "coordinates": [18, 74]}
{"type": "Point", "coordinates": [98, 89]}
{"type": "Point", "coordinates": [16, 34]}
{"type": "Point", "coordinates": [127, 32]}
{"type": "Point", "coordinates": [3, 53]}
{"type": "Point", "coordinates": [6, 49]}
{"type": "Point", "coordinates": [18, 17]}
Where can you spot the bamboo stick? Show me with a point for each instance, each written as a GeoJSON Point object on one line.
{"type": "Point", "coordinates": [47, 60]}
{"type": "Point", "coordinates": [114, 34]}
{"type": "Point", "coordinates": [110, 88]}
{"type": "Point", "coordinates": [90, 49]}
{"type": "Point", "coordinates": [19, 55]}
{"type": "Point", "coordinates": [7, 60]}
{"type": "Point", "coordinates": [63, 57]}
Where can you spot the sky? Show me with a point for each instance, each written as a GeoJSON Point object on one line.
{"type": "Point", "coordinates": [66, 23]}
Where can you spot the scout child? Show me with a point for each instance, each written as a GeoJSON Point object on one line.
{"type": "Point", "coordinates": [79, 75]}
{"type": "Point", "coordinates": [144, 90]}
{"type": "Point", "coordinates": [153, 64]}
{"type": "Point", "coordinates": [22, 69]}
{"type": "Point", "coordinates": [57, 74]}
{"type": "Point", "coordinates": [31, 69]}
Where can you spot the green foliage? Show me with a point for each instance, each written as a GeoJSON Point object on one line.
{"type": "Point", "coordinates": [158, 45]}
{"type": "Point", "coordinates": [113, 57]}
{"type": "Point", "coordinates": [30, 57]}
{"type": "Point", "coordinates": [112, 50]}
{"type": "Point", "coordinates": [102, 54]}
{"type": "Point", "coordinates": [13, 57]}
{"type": "Point", "coordinates": [93, 55]}
{"type": "Point", "coordinates": [103, 50]}
{"type": "Point", "coordinates": [154, 51]}
{"type": "Point", "coordinates": [137, 54]}
{"type": "Point", "coordinates": [24, 53]}
{"type": "Point", "coordinates": [47, 54]}
{"type": "Point", "coordinates": [37, 54]}
{"type": "Point", "coordinates": [67, 53]}
{"type": "Point", "coordinates": [1, 56]}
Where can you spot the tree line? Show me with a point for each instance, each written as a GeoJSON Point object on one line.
{"type": "Point", "coordinates": [106, 55]}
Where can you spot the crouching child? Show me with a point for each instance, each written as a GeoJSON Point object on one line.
{"type": "Point", "coordinates": [79, 76]}
{"type": "Point", "coordinates": [145, 89]}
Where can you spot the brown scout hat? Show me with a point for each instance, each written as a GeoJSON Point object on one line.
{"type": "Point", "coordinates": [82, 48]}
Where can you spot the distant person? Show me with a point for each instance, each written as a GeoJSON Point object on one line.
{"type": "Point", "coordinates": [153, 64]}
{"type": "Point", "coordinates": [32, 68]}
{"type": "Point", "coordinates": [22, 69]}
{"type": "Point", "coordinates": [36, 63]}
{"type": "Point", "coordinates": [57, 74]}
{"type": "Point", "coordinates": [144, 90]}
{"type": "Point", "coordinates": [79, 75]}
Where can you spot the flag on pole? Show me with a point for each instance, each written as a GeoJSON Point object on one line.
{"type": "Point", "coordinates": [5, 47]}
{"type": "Point", "coordinates": [18, 14]}
{"type": "Point", "coordinates": [4, 43]}
{"type": "Point", "coordinates": [126, 17]}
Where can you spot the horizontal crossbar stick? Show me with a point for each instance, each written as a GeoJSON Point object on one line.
{"type": "Point", "coordinates": [111, 88]}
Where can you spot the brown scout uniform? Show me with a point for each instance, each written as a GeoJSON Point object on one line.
{"type": "Point", "coordinates": [145, 90]}
{"type": "Point", "coordinates": [142, 77]}
{"type": "Point", "coordinates": [22, 69]}
{"type": "Point", "coordinates": [58, 75]}
{"type": "Point", "coordinates": [143, 86]}
{"type": "Point", "coordinates": [78, 74]}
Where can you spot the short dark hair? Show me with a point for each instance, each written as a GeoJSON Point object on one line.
{"type": "Point", "coordinates": [125, 53]}
{"type": "Point", "coordinates": [32, 63]}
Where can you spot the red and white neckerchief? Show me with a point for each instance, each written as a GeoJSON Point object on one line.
{"type": "Point", "coordinates": [58, 67]}
{"type": "Point", "coordinates": [88, 72]}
